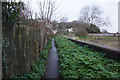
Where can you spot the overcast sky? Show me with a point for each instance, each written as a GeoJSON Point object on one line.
{"type": "Point", "coordinates": [71, 9]}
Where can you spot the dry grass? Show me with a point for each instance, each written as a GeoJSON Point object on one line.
{"type": "Point", "coordinates": [111, 42]}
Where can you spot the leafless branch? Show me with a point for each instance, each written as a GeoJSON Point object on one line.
{"type": "Point", "coordinates": [92, 15]}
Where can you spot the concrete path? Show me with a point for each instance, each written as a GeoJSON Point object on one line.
{"type": "Point", "coordinates": [52, 67]}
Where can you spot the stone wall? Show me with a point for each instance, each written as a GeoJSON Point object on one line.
{"type": "Point", "coordinates": [109, 52]}
{"type": "Point", "coordinates": [24, 46]}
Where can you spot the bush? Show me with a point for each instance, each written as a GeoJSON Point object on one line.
{"type": "Point", "coordinates": [81, 33]}
{"type": "Point", "coordinates": [92, 29]}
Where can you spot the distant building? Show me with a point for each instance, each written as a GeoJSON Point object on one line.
{"type": "Point", "coordinates": [54, 31]}
{"type": "Point", "coordinates": [69, 30]}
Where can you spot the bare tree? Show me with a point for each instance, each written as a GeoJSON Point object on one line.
{"type": "Point", "coordinates": [93, 15]}
{"type": "Point", "coordinates": [47, 9]}
{"type": "Point", "coordinates": [36, 15]}
{"type": "Point", "coordinates": [27, 12]}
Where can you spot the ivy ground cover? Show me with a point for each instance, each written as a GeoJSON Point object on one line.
{"type": "Point", "coordinates": [80, 62]}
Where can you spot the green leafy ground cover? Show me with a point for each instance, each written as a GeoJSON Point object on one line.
{"type": "Point", "coordinates": [38, 68]}
{"type": "Point", "coordinates": [81, 62]}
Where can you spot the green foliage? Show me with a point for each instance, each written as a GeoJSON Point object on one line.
{"type": "Point", "coordinates": [38, 68]}
{"type": "Point", "coordinates": [10, 17]}
{"type": "Point", "coordinates": [5, 44]}
{"type": "Point", "coordinates": [80, 62]}
{"type": "Point", "coordinates": [11, 14]}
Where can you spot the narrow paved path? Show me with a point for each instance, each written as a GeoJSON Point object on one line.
{"type": "Point", "coordinates": [52, 67]}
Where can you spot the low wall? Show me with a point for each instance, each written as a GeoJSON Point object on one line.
{"type": "Point", "coordinates": [110, 53]}
{"type": "Point", "coordinates": [24, 46]}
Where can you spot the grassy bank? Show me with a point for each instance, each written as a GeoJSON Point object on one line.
{"type": "Point", "coordinates": [80, 62]}
{"type": "Point", "coordinates": [107, 41]}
